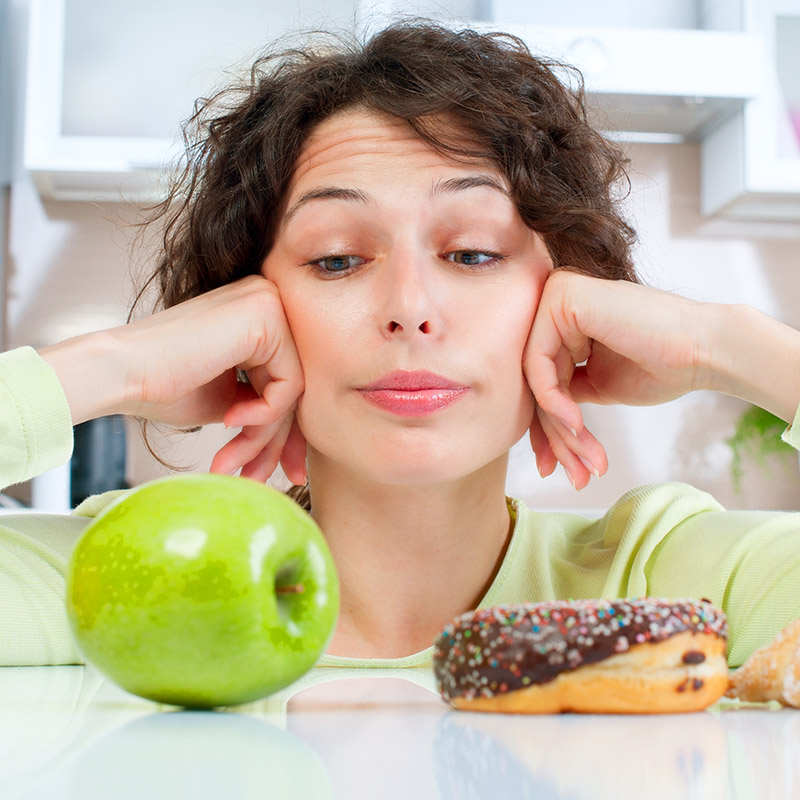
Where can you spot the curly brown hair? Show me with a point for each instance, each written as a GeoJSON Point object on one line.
{"type": "Point", "coordinates": [242, 145]}
{"type": "Point", "coordinates": [508, 107]}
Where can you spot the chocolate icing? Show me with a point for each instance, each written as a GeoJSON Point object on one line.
{"type": "Point", "coordinates": [496, 650]}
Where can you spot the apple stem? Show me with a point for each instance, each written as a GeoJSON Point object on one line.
{"type": "Point", "coordinates": [296, 588]}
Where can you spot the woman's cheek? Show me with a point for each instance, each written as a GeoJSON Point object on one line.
{"type": "Point", "coordinates": [524, 406]}
{"type": "Point", "coordinates": [313, 412]}
{"type": "Point", "coordinates": [321, 360]}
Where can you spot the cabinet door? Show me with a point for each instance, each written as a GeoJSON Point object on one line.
{"type": "Point", "coordinates": [109, 83]}
{"type": "Point", "coordinates": [751, 162]}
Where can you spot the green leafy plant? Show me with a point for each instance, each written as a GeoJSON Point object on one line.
{"type": "Point", "coordinates": [757, 435]}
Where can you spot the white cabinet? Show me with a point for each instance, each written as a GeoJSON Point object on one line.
{"type": "Point", "coordinates": [109, 83]}
{"type": "Point", "coordinates": [751, 161]}
{"type": "Point", "coordinates": [655, 84]}
{"type": "Point", "coordinates": [663, 70]}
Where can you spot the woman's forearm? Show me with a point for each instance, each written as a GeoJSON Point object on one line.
{"type": "Point", "coordinates": [92, 374]}
{"type": "Point", "coordinates": [754, 357]}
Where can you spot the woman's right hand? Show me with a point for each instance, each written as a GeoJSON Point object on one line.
{"type": "Point", "coordinates": [603, 341]}
{"type": "Point", "coordinates": [179, 367]}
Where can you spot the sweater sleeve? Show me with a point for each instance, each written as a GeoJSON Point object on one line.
{"type": "Point", "coordinates": [746, 562]}
{"type": "Point", "coordinates": [35, 551]}
{"type": "Point", "coordinates": [35, 420]}
{"type": "Point", "coordinates": [34, 555]}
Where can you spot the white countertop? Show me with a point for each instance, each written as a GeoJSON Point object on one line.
{"type": "Point", "coordinates": [67, 733]}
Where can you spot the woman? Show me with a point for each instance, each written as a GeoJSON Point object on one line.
{"type": "Point", "coordinates": [408, 247]}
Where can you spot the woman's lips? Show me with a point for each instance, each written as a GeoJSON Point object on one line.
{"type": "Point", "coordinates": [413, 394]}
{"type": "Point", "coordinates": [413, 403]}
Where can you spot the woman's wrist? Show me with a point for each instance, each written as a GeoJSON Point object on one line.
{"type": "Point", "coordinates": [90, 371]}
{"type": "Point", "coordinates": [754, 357]}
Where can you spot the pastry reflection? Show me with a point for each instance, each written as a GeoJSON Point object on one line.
{"type": "Point", "coordinates": [199, 754]}
{"type": "Point", "coordinates": [581, 756]}
{"type": "Point", "coordinates": [764, 752]}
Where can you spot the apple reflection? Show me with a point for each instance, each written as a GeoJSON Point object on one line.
{"type": "Point", "coordinates": [199, 754]}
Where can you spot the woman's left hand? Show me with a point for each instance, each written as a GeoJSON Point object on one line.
{"type": "Point", "coordinates": [603, 341]}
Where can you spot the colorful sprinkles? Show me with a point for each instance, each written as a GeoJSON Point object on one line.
{"type": "Point", "coordinates": [498, 649]}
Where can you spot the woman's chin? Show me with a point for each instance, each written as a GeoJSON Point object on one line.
{"type": "Point", "coordinates": [422, 473]}
{"type": "Point", "coordinates": [410, 458]}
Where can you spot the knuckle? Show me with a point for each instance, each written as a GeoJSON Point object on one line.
{"type": "Point", "coordinates": [265, 303]}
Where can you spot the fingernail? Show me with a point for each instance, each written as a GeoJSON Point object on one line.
{"type": "Point", "coordinates": [569, 427]}
{"type": "Point", "coordinates": [571, 480]}
{"type": "Point", "coordinates": [590, 467]}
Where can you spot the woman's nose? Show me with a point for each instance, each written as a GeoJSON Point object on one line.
{"type": "Point", "coordinates": [410, 304]}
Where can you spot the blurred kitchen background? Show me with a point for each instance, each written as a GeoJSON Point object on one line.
{"type": "Point", "coordinates": [704, 95]}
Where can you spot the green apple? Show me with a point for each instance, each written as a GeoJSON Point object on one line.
{"type": "Point", "coordinates": [202, 591]}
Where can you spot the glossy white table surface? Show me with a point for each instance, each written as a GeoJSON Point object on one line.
{"type": "Point", "coordinates": [66, 733]}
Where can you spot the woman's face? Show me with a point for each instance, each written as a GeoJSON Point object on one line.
{"type": "Point", "coordinates": [392, 259]}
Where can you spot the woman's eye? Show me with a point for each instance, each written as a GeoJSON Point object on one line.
{"type": "Point", "coordinates": [471, 258]}
{"type": "Point", "coordinates": [337, 263]}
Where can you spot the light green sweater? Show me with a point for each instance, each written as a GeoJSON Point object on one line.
{"type": "Point", "coordinates": [666, 540]}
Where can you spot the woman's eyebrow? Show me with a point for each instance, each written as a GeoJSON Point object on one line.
{"type": "Point", "coordinates": [447, 186]}
{"type": "Point", "coordinates": [467, 182]}
{"type": "Point", "coordinates": [325, 193]}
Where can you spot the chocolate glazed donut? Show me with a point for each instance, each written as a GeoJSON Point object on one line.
{"type": "Point", "coordinates": [642, 655]}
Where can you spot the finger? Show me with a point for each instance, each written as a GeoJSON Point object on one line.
{"type": "Point", "coordinates": [245, 446]}
{"type": "Point", "coordinates": [586, 447]}
{"type": "Point", "coordinates": [576, 471]}
{"type": "Point", "coordinates": [548, 366]}
{"type": "Point", "coordinates": [592, 454]}
{"type": "Point", "coordinates": [236, 415]}
{"type": "Point", "coordinates": [581, 455]}
{"type": "Point", "coordinates": [546, 462]}
{"type": "Point", "coordinates": [252, 411]}
{"type": "Point", "coordinates": [264, 464]}
{"type": "Point", "coordinates": [278, 376]}
{"type": "Point", "coordinates": [582, 389]}
{"type": "Point", "coordinates": [251, 407]}
{"type": "Point", "coordinates": [293, 457]}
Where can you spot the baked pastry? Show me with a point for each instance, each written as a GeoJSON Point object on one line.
{"type": "Point", "coordinates": [772, 672]}
{"type": "Point", "coordinates": [642, 655]}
